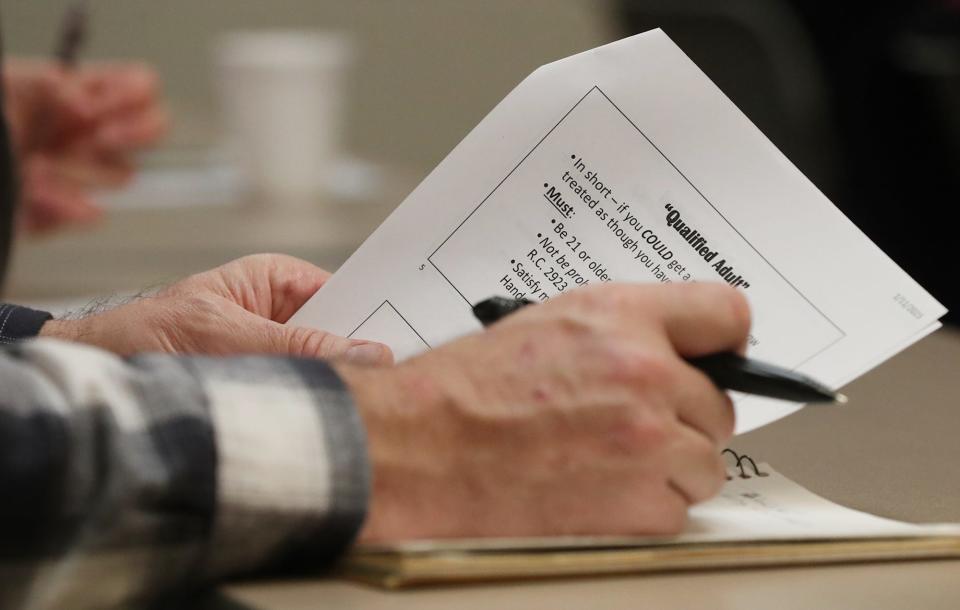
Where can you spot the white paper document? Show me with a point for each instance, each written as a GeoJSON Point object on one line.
{"type": "Point", "coordinates": [626, 163]}
{"type": "Point", "coordinates": [772, 507]}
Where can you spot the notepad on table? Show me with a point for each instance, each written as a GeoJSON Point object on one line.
{"type": "Point", "coordinates": [761, 518]}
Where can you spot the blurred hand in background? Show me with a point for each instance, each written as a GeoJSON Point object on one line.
{"type": "Point", "coordinates": [75, 132]}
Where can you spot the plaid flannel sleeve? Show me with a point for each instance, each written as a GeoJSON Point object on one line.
{"type": "Point", "coordinates": [128, 480]}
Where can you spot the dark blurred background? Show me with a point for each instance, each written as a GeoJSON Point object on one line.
{"type": "Point", "coordinates": [864, 97]}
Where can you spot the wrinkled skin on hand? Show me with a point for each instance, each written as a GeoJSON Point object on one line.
{"type": "Point", "coordinates": [240, 307]}
{"type": "Point", "coordinates": [577, 416]}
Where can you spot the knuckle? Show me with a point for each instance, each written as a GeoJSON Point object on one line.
{"type": "Point", "coordinates": [572, 326]}
{"type": "Point", "coordinates": [655, 368]}
{"type": "Point", "coordinates": [602, 297]}
{"type": "Point", "coordinates": [590, 296]}
{"type": "Point", "coordinates": [308, 342]}
{"type": "Point", "coordinates": [644, 370]}
{"type": "Point", "coordinates": [647, 434]}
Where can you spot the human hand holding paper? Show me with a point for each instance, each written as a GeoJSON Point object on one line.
{"type": "Point", "coordinates": [625, 163]}
{"type": "Point", "coordinates": [237, 308]}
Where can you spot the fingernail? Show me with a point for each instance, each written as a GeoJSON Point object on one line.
{"type": "Point", "coordinates": [365, 353]}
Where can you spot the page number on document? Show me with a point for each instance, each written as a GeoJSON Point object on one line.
{"type": "Point", "coordinates": [909, 307]}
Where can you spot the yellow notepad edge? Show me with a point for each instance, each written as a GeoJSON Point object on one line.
{"type": "Point", "coordinates": [397, 570]}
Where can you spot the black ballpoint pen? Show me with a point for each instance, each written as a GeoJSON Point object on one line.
{"type": "Point", "coordinates": [70, 41]}
{"type": "Point", "coordinates": [727, 370]}
{"type": "Point", "coordinates": [73, 35]}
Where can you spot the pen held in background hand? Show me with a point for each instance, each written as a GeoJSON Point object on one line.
{"type": "Point", "coordinates": [728, 371]}
{"type": "Point", "coordinates": [66, 54]}
{"type": "Point", "coordinates": [73, 35]}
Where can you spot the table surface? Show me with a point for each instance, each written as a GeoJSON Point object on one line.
{"type": "Point", "coordinates": [892, 451]}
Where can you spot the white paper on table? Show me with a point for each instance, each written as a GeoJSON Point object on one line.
{"type": "Point", "coordinates": [636, 124]}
